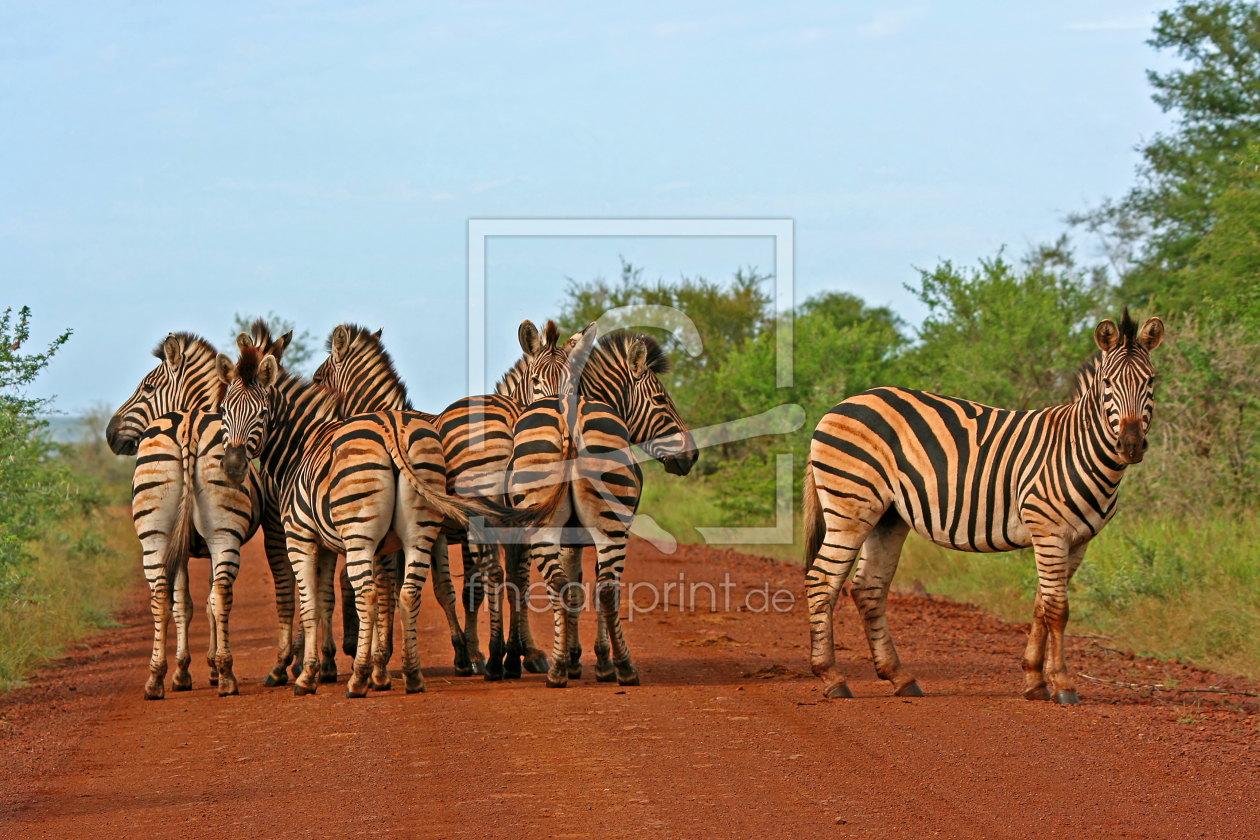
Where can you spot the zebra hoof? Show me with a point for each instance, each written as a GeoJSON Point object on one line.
{"type": "Point", "coordinates": [537, 665]}
{"type": "Point", "coordinates": [297, 670]}
{"type": "Point", "coordinates": [214, 679]}
{"type": "Point", "coordinates": [384, 685]}
{"type": "Point", "coordinates": [910, 689]}
{"type": "Point", "coordinates": [229, 689]}
{"type": "Point", "coordinates": [1038, 693]}
{"type": "Point", "coordinates": [154, 691]}
{"type": "Point", "coordinates": [300, 690]}
{"type": "Point", "coordinates": [478, 667]}
{"type": "Point", "coordinates": [1067, 698]}
{"type": "Point", "coordinates": [606, 676]}
{"type": "Point", "coordinates": [557, 682]}
{"type": "Point", "coordinates": [575, 670]}
{"type": "Point", "coordinates": [839, 692]}
{"type": "Point", "coordinates": [418, 688]}
{"type": "Point", "coordinates": [182, 686]}
{"type": "Point", "coordinates": [328, 676]}
{"type": "Point", "coordinates": [630, 680]}
{"type": "Point", "coordinates": [350, 647]}
{"type": "Point", "coordinates": [512, 668]}
{"type": "Point", "coordinates": [274, 679]}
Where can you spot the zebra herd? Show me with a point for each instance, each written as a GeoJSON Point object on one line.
{"type": "Point", "coordinates": [341, 464]}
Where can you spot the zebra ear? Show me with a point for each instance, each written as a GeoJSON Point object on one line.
{"type": "Point", "coordinates": [172, 351]}
{"type": "Point", "coordinates": [636, 355]}
{"type": "Point", "coordinates": [1107, 335]}
{"type": "Point", "coordinates": [527, 334]}
{"type": "Point", "coordinates": [578, 349]}
{"type": "Point", "coordinates": [243, 340]}
{"type": "Point", "coordinates": [224, 368]}
{"type": "Point", "coordinates": [281, 344]}
{"type": "Point", "coordinates": [1151, 334]}
{"type": "Point", "coordinates": [268, 371]}
{"type": "Point", "coordinates": [592, 329]}
{"type": "Point", "coordinates": [377, 334]}
{"type": "Point", "coordinates": [340, 341]}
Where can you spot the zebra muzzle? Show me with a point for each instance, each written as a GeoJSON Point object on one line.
{"type": "Point", "coordinates": [119, 445]}
{"type": "Point", "coordinates": [235, 463]}
{"type": "Point", "coordinates": [1132, 444]}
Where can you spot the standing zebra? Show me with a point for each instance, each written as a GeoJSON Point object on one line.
{"type": "Point", "coordinates": [572, 460]}
{"type": "Point", "coordinates": [364, 486]}
{"type": "Point", "coordinates": [359, 368]}
{"type": "Point", "coordinates": [477, 442]}
{"type": "Point", "coordinates": [973, 478]}
{"type": "Point", "coordinates": [182, 506]}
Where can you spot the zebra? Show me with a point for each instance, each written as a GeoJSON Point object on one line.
{"type": "Point", "coordinates": [572, 462]}
{"type": "Point", "coordinates": [182, 507]}
{"type": "Point", "coordinates": [364, 486]}
{"type": "Point", "coordinates": [477, 442]}
{"type": "Point", "coordinates": [358, 364]}
{"type": "Point", "coordinates": [974, 478]}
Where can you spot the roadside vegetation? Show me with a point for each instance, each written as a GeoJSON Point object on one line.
{"type": "Point", "coordinates": [1177, 573]}
{"type": "Point", "coordinates": [67, 550]}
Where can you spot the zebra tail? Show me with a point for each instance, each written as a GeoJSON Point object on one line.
{"type": "Point", "coordinates": [180, 543]}
{"type": "Point", "coordinates": [811, 510]}
{"type": "Point", "coordinates": [453, 507]}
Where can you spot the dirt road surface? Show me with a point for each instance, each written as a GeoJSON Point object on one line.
{"type": "Point", "coordinates": [727, 736]}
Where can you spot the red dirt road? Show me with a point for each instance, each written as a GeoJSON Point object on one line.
{"type": "Point", "coordinates": [703, 749]}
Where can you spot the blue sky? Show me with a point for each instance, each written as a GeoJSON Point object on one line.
{"type": "Point", "coordinates": [165, 167]}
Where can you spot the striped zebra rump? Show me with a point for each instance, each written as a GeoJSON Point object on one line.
{"type": "Point", "coordinates": [363, 486]}
{"type": "Point", "coordinates": [182, 506]}
{"type": "Point", "coordinates": [974, 478]}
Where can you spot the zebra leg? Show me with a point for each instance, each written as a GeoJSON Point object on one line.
{"type": "Point", "coordinates": [160, 607]}
{"type": "Point", "coordinates": [182, 681]}
{"type": "Point", "coordinates": [492, 575]}
{"type": "Point", "coordinates": [1055, 564]}
{"type": "Point", "coordinates": [359, 563]}
{"type": "Point", "coordinates": [822, 587]}
{"type": "Point", "coordinates": [547, 556]}
{"type": "Point", "coordinates": [325, 605]}
{"type": "Point", "coordinates": [225, 571]}
{"type": "Point", "coordinates": [610, 562]}
{"type": "Point", "coordinates": [571, 560]}
{"type": "Point", "coordinates": [285, 585]}
{"type": "Point", "coordinates": [305, 556]}
{"type": "Point", "coordinates": [605, 671]}
{"type": "Point", "coordinates": [444, 591]}
{"type": "Point", "coordinates": [522, 634]}
{"type": "Point", "coordinates": [517, 567]}
{"type": "Point", "coordinates": [419, 534]}
{"type": "Point", "coordinates": [213, 648]}
{"type": "Point", "coordinates": [1035, 654]}
{"type": "Point", "coordinates": [385, 570]}
{"type": "Point", "coordinates": [875, 570]}
{"type": "Point", "coordinates": [474, 592]}
{"type": "Point", "coordinates": [349, 615]}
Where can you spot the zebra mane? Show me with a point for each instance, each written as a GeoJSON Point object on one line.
{"type": "Point", "coordinates": [616, 343]}
{"type": "Point", "coordinates": [193, 345]}
{"type": "Point", "coordinates": [1085, 377]}
{"type": "Point", "coordinates": [366, 349]}
{"type": "Point", "coordinates": [1128, 331]}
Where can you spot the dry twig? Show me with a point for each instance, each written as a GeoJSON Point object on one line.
{"type": "Point", "coordinates": [1169, 688]}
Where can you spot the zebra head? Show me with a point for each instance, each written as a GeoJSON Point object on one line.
{"type": "Point", "coordinates": [360, 371]}
{"type": "Point", "coordinates": [183, 380]}
{"type": "Point", "coordinates": [542, 371]}
{"type": "Point", "coordinates": [245, 404]}
{"type": "Point", "coordinates": [1126, 380]}
{"type": "Point", "coordinates": [623, 371]}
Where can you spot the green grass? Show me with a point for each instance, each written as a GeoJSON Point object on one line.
{"type": "Point", "coordinates": [80, 572]}
{"type": "Point", "coordinates": [1169, 587]}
